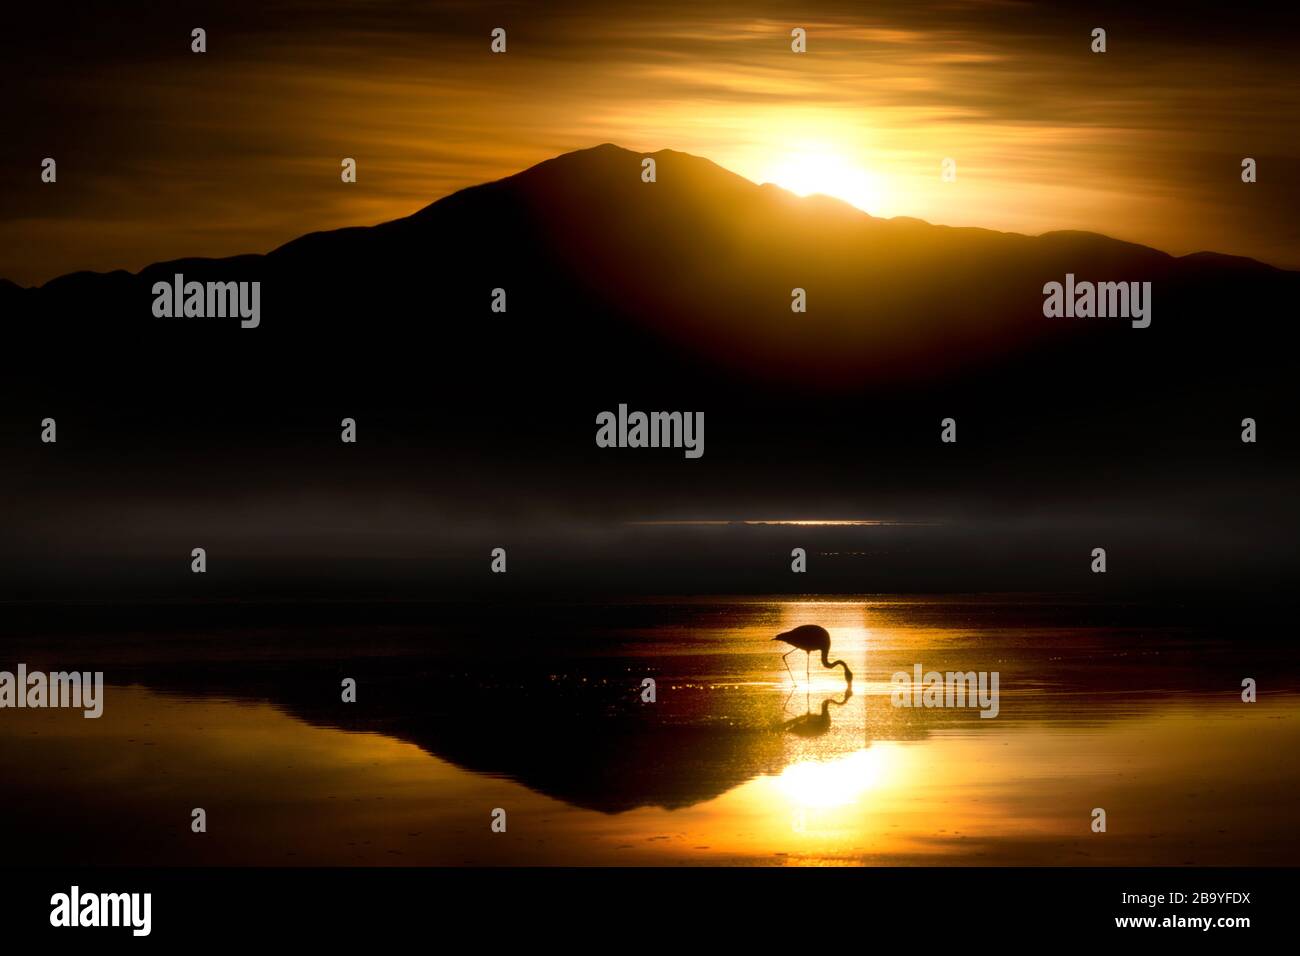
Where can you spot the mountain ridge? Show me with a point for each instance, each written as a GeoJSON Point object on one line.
{"type": "Point", "coordinates": [703, 272]}
{"type": "Point", "coordinates": [570, 162]}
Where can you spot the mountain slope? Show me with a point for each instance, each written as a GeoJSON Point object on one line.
{"type": "Point", "coordinates": [702, 262]}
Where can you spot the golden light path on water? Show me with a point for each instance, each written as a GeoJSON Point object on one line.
{"type": "Point", "coordinates": [844, 783]}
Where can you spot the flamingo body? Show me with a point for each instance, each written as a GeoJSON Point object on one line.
{"type": "Point", "coordinates": [809, 638]}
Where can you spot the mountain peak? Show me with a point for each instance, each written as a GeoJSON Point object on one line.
{"type": "Point", "coordinates": [614, 160]}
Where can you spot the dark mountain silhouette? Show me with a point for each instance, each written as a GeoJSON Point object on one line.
{"type": "Point", "coordinates": [702, 259]}
{"type": "Point", "coordinates": [698, 266]}
{"type": "Point", "coordinates": [672, 295]}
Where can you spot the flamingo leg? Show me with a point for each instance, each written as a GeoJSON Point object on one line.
{"type": "Point", "coordinates": [787, 663]}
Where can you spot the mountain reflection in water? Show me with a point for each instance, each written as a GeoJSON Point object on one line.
{"type": "Point", "coordinates": [733, 762]}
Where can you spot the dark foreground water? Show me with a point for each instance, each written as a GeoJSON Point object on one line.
{"type": "Point", "coordinates": [538, 711]}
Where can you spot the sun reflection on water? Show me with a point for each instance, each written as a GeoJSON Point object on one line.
{"type": "Point", "coordinates": [836, 783]}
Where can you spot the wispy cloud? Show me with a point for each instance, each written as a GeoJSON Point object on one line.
{"type": "Point", "coordinates": [163, 152]}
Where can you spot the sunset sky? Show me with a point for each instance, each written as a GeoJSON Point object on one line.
{"type": "Point", "coordinates": [165, 153]}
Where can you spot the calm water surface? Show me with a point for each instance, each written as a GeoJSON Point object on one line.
{"type": "Point", "coordinates": [540, 713]}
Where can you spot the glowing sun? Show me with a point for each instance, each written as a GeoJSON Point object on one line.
{"type": "Point", "coordinates": [822, 169]}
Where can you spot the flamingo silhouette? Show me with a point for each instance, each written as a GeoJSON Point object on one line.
{"type": "Point", "coordinates": [809, 638]}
